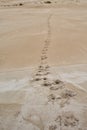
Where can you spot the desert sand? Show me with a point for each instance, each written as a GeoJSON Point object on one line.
{"type": "Point", "coordinates": [43, 65]}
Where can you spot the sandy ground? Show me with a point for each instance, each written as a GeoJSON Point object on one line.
{"type": "Point", "coordinates": [43, 65]}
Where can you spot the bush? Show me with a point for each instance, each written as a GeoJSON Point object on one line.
{"type": "Point", "coordinates": [20, 4]}
{"type": "Point", "coordinates": [47, 2]}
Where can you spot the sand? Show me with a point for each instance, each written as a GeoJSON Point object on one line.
{"type": "Point", "coordinates": [43, 65]}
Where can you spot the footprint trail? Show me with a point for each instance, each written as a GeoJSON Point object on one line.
{"type": "Point", "coordinates": [58, 94]}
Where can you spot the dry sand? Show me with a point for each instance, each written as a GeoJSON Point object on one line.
{"type": "Point", "coordinates": [43, 65]}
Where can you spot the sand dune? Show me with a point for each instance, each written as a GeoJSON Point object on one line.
{"type": "Point", "coordinates": [43, 65]}
{"type": "Point", "coordinates": [27, 29]}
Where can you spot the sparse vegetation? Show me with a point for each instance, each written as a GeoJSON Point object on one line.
{"type": "Point", "coordinates": [20, 4]}
{"type": "Point", "coordinates": [47, 2]}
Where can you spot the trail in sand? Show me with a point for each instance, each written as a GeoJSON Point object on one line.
{"type": "Point", "coordinates": [50, 99]}
{"type": "Point", "coordinates": [59, 93]}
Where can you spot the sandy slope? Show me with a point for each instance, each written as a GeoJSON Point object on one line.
{"type": "Point", "coordinates": [23, 30]}
{"type": "Point", "coordinates": [43, 65]}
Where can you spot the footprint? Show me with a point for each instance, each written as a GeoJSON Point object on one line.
{"type": "Point", "coordinates": [57, 84]}
{"type": "Point", "coordinates": [53, 127]}
{"type": "Point", "coordinates": [67, 119]}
